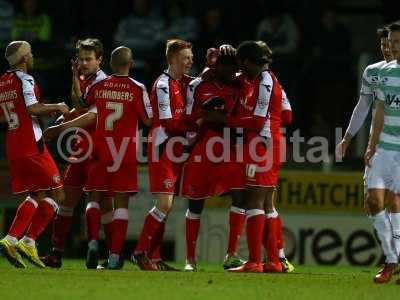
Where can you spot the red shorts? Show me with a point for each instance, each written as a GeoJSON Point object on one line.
{"type": "Point", "coordinates": [35, 173]}
{"type": "Point", "coordinates": [124, 180]}
{"type": "Point", "coordinates": [265, 173]}
{"type": "Point", "coordinates": [258, 165]}
{"type": "Point", "coordinates": [164, 172]}
{"type": "Point", "coordinates": [203, 177]}
{"type": "Point", "coordinates": [75, 174]}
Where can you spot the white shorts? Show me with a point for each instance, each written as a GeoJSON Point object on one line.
{"type": "Point", "coordinates": [384, 172]}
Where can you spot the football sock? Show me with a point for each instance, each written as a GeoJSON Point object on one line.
{"type": "Point", "coordinates": [119, 229]}
{"type": "Point", "coordinates": [107, 222]}
{"type": "Point", "coordinates": [254, 233]}
{"type": "Point", "coordinates": [270, 237]}
{"type": "Point", "coordinates": [23, 217]}
{"type": "Point", "coordinates": [152, 223]}
{"type": "Point", "coordinates": [156, 242]}
{"type": "Point", "coordinates": [237, 220]}
{"type": "Point", "coordinates": [61, 225]}
{"type": "Point", "coordinates": [383, 228]}
{"type": "Point", "coordinates": [93, 220]}
{"type": "Point", "coordinates": [192, 226]}
{"type": "Point", "coordinates": [42, 217]}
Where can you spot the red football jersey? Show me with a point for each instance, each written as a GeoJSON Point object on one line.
{"type": "Point", "coordinates": [18, 90]}
{"type": "Point", "coordinates": [119, 102]}
{"type": "Point", "coordinates": [200, 91]}
{"type": "Point", "coordinates": [260, 103]}
{"type": "Point", "coordinates": [168, 103]}
{"type": "Point", "coordinates": [85, 83]}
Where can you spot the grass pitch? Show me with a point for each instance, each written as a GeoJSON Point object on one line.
{"type": "Point", "coordinates": [73, 281]}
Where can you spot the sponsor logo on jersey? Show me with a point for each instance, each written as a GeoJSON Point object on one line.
{"type": "Point", "coordinates": [164, 89]}
{"type": "Point", "coordinates": [163, 106]}
{"type": "Point", "coordinates": [168, 183]}
{"type": "Point", "coordinates": [393, 100]}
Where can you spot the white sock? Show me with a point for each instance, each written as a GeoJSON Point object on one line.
{"type": "Point", "coordinates": [11, 239]}
{"type": "Point", "coordinates": [395, 221]}
{"type": "Point", "coordinates": [27, 240]}
{"type": "Point", "coordinates": [384, 231]}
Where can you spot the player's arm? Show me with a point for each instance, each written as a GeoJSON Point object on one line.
{"type": "Point", "coordinates": [143, 107]}
{"type": "Point", "coordinates": [41, 109]}
{"type": "Point", "coordinates": [84, 121]}
{"type": "Point", "coordinates": [358, 117]}
{"type": "Point", "coordinates": [286, 114]}
{"type": "Point", "coordinates": [76, 93]}
{"type": "Point", "coordinates": [377, 127]}
{"type": "Point", "coordinates": [33, 106]}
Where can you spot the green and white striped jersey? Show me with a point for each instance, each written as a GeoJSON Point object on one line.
{"type": "Point", "coordinates": [389, 91]}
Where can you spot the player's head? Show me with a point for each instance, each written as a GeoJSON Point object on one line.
{"type": "Point", "coordinates": [121, 60]}
{"type": "Point", "coordinates": [384, 41]}
{"type": "Point", "coordinates": [251, 58]}
{"type": "Point", "coordinates": [225, 68]}
{"type": "Point", "coordinates": [90, 55]}
{"type": "Point", "coordinates": [19, 54]}
{"type": "Point", "coordinates": [179, 56]}
{"type": "Point", "coordinates": [394, 39]}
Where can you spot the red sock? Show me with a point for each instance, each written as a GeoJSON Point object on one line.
{"type": "Point", "coordinates": [279, 231]}
{"type": "Point", "coordinates": [42, 217]}
{"type": "Point", "coordinates": [152, 223]}
{"type": "Point", "coordinates": [23, 217]}
{"type": "Point", "coordinates": [119, 229]}
{"type": "Point", "coordinates": [270, 239]}
{"type": "Point", "coordinates": [254, 232]}
{"type": "Point", "coordinates": [93, 220]}
{"type": "Point", "coordinates": [107, 221]}
{"type": "Point", "coordinates": [61, 225]}
{"type": "Point", "coordinates": [237, 219]}
{"type": "Point", "coordinates": [192, 226]}
{"type": "Point", "coordinates": [156, 242]}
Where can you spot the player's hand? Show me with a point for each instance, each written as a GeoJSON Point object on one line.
{"type": "Point", "coordinates": [63, 108]}
{"type": "Point", "coordinates": [215, 116]}
{"type": "Point", "coordinates": [51, 133]}
{"type": "Point", "coordinates": [227, 49]}
{"type": "Point", "coordinates": [341, 149]}
{"type": "Point", "coordinates": [211, 56]}
{"type": "Point", "coordinates": [368, 155]}
{"type": "Point", "coordinates": [75, 68]}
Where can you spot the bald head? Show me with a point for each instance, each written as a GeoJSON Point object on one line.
{"type": "Point", "coordinates": [121, 57]}
{"type": "Point", "coordinates": [16, 51]}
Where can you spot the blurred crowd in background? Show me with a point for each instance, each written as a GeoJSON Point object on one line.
{"type": "Point", "coordinates": [317, 44]}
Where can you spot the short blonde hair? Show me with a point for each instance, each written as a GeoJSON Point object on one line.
{"type": "Point", "coordinates": [174, 46]}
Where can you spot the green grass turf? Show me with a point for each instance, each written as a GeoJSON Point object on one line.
{"type": "Point", "coordinates": [73, 281]}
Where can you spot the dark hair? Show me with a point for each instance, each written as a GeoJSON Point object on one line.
{"type": "Point", "coordinates": [394, 26]}
{"type": "Point", "coordinates": [90, 45]}
{"type": "Point", "coordinates": [252, 51]}
{"type": "Point", "coordinates": [226, 59]}
{"type": "Point", "coordinates": [382, 32]}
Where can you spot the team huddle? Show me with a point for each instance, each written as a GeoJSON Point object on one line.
{"type": "Point", "coordinates": [380, 89]}
{"type": "Point", "coordinates": [217, 133]}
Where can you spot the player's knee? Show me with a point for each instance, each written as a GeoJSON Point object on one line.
{"type": "Point", "coordinates": [196, 206]}
{"type": "Point", "coordinates": [57, 195]}
{"type": "Point", "coordinates": [164, 206]}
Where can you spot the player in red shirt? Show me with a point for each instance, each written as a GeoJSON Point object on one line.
{"type": "Point", "coordinates": [32, 168]}
{"type": "Point", "coordinates": [258, 90]}
{"type": "Point", "coordinates": [206, 156]}
{"type": "Point", "coordinates": [86, 72]}
{"type": "Point", "coordinates": [119, 102]}
{"type": "Point", "coordinates": [165, 153]}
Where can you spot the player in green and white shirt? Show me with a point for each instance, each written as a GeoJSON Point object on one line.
{"type": "Point", "coordinates": [383, 156]}
{"type": "Point", "coordinates": [369, 83]}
